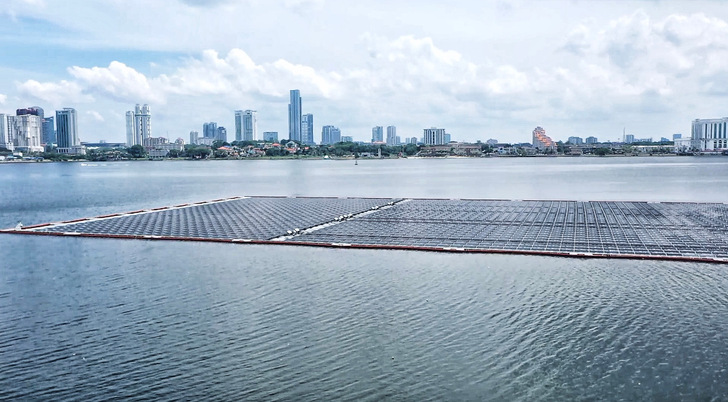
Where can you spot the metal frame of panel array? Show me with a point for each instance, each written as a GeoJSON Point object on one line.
{"type": "Point", "coordinates": [682, 231]}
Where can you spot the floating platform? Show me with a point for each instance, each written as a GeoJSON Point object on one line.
{"type": "Point", "coordinates": [608, 229]}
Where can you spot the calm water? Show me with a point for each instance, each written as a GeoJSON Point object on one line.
{"type": "Point", "coordinates": [95, 319]}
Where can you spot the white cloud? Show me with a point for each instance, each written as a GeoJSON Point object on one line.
{"type": "Point", "coordinates": [3, 98]}
{"type": "Point", "coordinates": [56, 93]}
{"type": "Point", "coordinates": [95, 115]}
{"type": "Point", "coordinates": [117, 81]}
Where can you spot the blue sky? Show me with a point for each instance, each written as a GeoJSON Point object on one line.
{"type": "Point", "coordinates": [479, 69]}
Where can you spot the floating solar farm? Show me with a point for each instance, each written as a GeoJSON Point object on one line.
{"type": "Point", "coordinates": [611, 229]}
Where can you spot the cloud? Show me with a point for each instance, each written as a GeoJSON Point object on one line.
{"type": "Point", "coordinates": [56, 93]}
{"type": "Point", "coordinates": [117, 81]}
{"type": "Point", "coordinates": [96, 115]}
{"type": "Point", "coordinates": [3, 98]}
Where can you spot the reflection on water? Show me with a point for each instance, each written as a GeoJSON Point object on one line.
{"type": "Point", "coordinates": [99, 318]}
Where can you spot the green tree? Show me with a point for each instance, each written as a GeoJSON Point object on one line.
{"type": "Point", "coordinates": [137, 151]}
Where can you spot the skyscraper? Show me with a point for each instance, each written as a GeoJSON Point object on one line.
{"type": "Point", "coordinates": [238, 125]}
{"type": "Point", "coordinates": [24, 130]}
{"type": "Point", "coordinates": [294, 116]}
{"type": "Point", "coordinates": [138, 125]}
{"type": "Point", "coordinates": [48, 131]}
{"type": "Point", "coordinates": [5, 140]}
{"type": "Point", "coordinates": [221, 134]}
{"type": "Point", "coordinates": [67, 129]}
{"type": "Point", "coordinates": [307, 129]}
{"type": "Point", "coordinates": [209, 130]}
{"type": "Point", "coordinates": [250, 125]}
{"type": "Point", "coordinates": [330, 135]}
{"type": "Point", "coordinates": [194, 135]}
{"type": "Point", "coordinates": [377, 134]}
{"type": "Point", "coordinates": [391, 135]}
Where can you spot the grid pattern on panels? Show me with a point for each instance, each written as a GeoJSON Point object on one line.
{"type": "Point", "coordinates": [259, 218]}
{"type": "Point", "coordinates": [635, 228]}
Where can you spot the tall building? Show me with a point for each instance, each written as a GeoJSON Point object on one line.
{"type": "Point", "coordinates": [5, 140]}
{"type": "Point", "coordinates": [434, 136]}
{"type": "Point", "coordinates": [194, 136]}
{"type": "Point", "coordinates": [592, 140]}
{"type": "Point", "coordinates": [391, 135]}
{"type": "Point", "coordinates": [138, 125]}
{"type": "Point", "coordinates": [67, 129]}
{"type": "Point", "coordinates": [447, 138]}
{"type": "Point", "coordinates": [575, 140]}
{"type": "Point", "coordinates": [250, 125]}
{"type": "Point", "coordinates": [307, 129]}
{"type": "Point", "coordinates": [209, 130]}
{"type": "Point", "coordinates": [48, 131]}
{"type": "Point", "coordinates": [294, 116]}
{"type": "Point", "coordinates": [24, 131]}
{"type": "Point", "coordinates": [377, 134]}
{"type": "Point", "coordinates": [221, 134]}
{"type": "Point", "coordinates": [330, 135]}
{"type": "Point", "coordinates": [629, 138]}
{"type": "Point", "coordinates": [270, 136]}
{"type": "Point", "coordinates": [347, 138]}
{"type": "Point", "coordinates": [542, 141]}
{"type": "Point", "coordinates": [710, 134]}
{"type": "Point", "coordinates": [238, 125]}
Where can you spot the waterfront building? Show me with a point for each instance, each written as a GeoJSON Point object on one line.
{"type": "Point", "coordinates": [221, 134]}
{"type": "Point", "coordinates": [347, 138]}
{"type": "Point", "coordinates": [591, 140]}
{"type": "Point", "coordinates": [5, 140]}
{"type": "Point", "coordinates": [48, 130]}
{"type": "Point", "coordinates": [67, 128]}
{"type": "Point", "coordinates": [209, 130]}
{"type": "Point", "coordinates": [307, 129]}
{"type": "Point", "coordinates": [629, 138]}
{"type": "Point", "coordinates": [413, 140]}
{"type": "Point", "coordinates": [575, 141]}
{"type": "Point", "coordinates": [397, 140]}
{"type": "Point", "coordinates": [377, 134]}
{"type": "Point", "coordinates": [676, 136]}
{"type": "Point", "coordinates": [330, 135]}
{"type": "Point", "coordinates": [541, 141]}
{"type": "Point", "coordinates": [138, 125]}
{"type": "Point", "coordinates": [434, 136]}
{"type": "Point", "coordinates": [447, 138]}
{"type": "Point", "coordinates": [270, 136]}
{"type": "Point", "coordinates": [710, 134]}
{"type": "Point", "coordinates": [194, 137]}
{"type": "Point", "coordinates": [24, 131]}
{"type": "Point", "coordinates": [238, 125]}
{"type": "Point", "coordinates": [294, 116]}
{"type": "Point", "coordinates": [391, 135]}
{"type": "Point", "coordinates": [250, 125]}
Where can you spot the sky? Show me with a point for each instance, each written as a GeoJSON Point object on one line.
{"type": "Point", "coordinates": [480, 69]}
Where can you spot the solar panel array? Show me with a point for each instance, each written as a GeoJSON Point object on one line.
{"type": "Point", "coordinates": [259, 218]}
{"type": "Point", "coordinates": [693, 230]}
{"type": "Point", "coordinates": [637, 228]}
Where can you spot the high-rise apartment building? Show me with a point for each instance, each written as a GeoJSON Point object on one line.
{"type": "Point", "coordinates": [25, 131]}
{"type": "Point", "coordinates": [591, 140]}
{"type": "Point", "coordinates": [221, 134]}
{"type": "Point", "coordinates": [5, 140]}
{"type": "Point", "coordinates": [194, 136]}
{"type": "Point", "coordinates": [48, 130]}
{"type": "Point", "coordinates": [250, 125]}
{"type": "Point", "coordinates": [377, 134]}
{"type": "Point", "coordinates": [294, 116]}
{"type": "Point", "coordinates": [238, 125]}
{"type": "Point", "coordinates": [434, 136]}
{"type": "Point", "coordinates": [347, 138]}
{"type": "Point", "coordinates": [542, 141]}
{"type": "Point", "coordinates": [307, 129]}
{"type": "Point", "coordinates": [391, 135]}
{"type": "Point", "coordinates": [330, 135]}
{"type": "Point", "coordinates": [575, 141]}
{"type": "Point", "coordinates": [138, 125]}
{"type": "Point", "coordinates": [67, 131]}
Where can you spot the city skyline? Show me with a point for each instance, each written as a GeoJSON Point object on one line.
{"type": "Point", "coordinates": [650, 66]}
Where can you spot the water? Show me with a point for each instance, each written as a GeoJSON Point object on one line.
{"type": "Point", "coordinates": [96, 319]}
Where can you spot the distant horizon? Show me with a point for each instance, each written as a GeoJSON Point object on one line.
{"type": "Point", "coordinates": [479, 70]}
